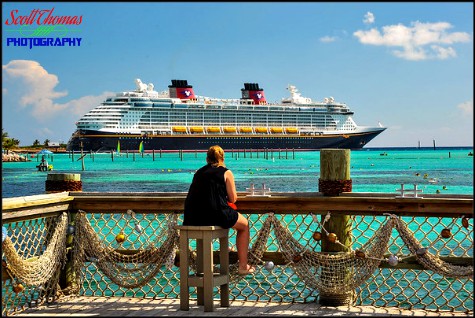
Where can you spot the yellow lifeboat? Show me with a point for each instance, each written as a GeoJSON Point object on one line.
{"type": "Point", "coordinates": [196, 129]}
{"type": "Point", "coordinates": [213, 129]}
{"type": "Point", "coordinates": [261, 130]}
{"type": "Point", "coordinates": [181, 129]}
{"type": "Point", "coordinates": [276, 130]}
{"type": "Point", "coordinates": [229, 129]}
{"type": "Point", "coordinates": [291, 130]}
{"type": "Point", "coordinates": [245, 129]}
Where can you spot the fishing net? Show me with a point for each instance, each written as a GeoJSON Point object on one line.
{"type": "Point", "coordinates": [38, 270]}
{"type": "Point", "coordinates": [431, 261]}
{"type": "Point", "coordinates": [122, 268]}
{"type": "Point", "coordinates": [329, 273]}
{"type": "Point", "coordinates": [342, 272]}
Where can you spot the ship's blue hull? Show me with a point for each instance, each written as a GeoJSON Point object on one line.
{"type": "Point", "coordinates": [94, 141]}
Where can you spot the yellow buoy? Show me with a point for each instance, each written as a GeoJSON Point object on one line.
{"type": "Point", "coordinates": [120, 238]}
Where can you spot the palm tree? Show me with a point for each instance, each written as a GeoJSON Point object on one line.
{"type": "Point", "coordinates": [9, 143]}
{"type": "Point", "coordinates": [46, 142]}
{"type": "Point", "coordinates": [4, 136]}
{"type": "Point", "coordinates": [36, 143]}
{"type": "Point", "coordinates": [15, 142]}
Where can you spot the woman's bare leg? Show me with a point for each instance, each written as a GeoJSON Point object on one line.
{"type": "Point", "coordinates": [242, 241]}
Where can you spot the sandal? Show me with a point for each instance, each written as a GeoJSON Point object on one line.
{"type": "Point", "coordinates": [249, 270]}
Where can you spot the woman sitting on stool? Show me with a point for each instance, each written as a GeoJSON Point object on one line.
{"type": "Point", "coordinates": [209, 200]}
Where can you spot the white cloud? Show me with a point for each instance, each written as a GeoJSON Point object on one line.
{"type": "Point", "coordinates": [327, 39]}
{"type": "Point", "coordinates": [368, 18]}
{"type": "Point", "coordinates": [420, 41]}
{"type": "Point", "coordinates": [37, 89]}
{"type": "Point", "coordinates": [466, 107]}
{"type": "Point", "coordinates": [36, 85]}
{"type": "Point", "coordinates": [82, 105]}
{"type": "Point", "coordinates": [443, 53]}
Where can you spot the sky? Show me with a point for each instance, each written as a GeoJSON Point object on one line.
{"type": "Point", "coordinates": [406, 65]}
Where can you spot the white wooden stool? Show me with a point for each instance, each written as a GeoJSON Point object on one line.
{"type": "Point", "coordinates": [204, 278]}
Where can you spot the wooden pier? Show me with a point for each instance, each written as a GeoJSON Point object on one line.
{"type": "Point", "coordinates": [294, 206]}
{"type": "Point", "coordinates": [143, 307]}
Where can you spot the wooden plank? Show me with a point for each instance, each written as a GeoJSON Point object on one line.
{"type": "Point", "coordinates": [451, 207]}
{"type": "Point", "coordinates": [278, 259]}
{"type": "Point", "coordinates": [34, 213]}
{"type": "Point", "coordinates": [351, 205]}
{"type": "Point", "coordinates": [35, 200]}
{"type": "Point", "coordinates": [127, 306]}
{"type": "Point", "coordinates": [359, 206]}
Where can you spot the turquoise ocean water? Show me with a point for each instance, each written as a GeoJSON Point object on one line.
{"type": "Point", "coordinates": [449, 170]}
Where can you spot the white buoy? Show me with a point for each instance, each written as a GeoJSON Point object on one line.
{"type": "Point", "coordinates": [393, 260]}
{"type": "Point", "coordinates": [269, 265]}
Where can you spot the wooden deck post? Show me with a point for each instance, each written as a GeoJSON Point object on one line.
{"type": "Point", "coordinates": [68, 281]}
{"type": "Point", "coordinates": [334, 179]}
{"type": "Point", "coordinates": [334, 172]}
{"type": "Point", "coordinates": [59, 182]}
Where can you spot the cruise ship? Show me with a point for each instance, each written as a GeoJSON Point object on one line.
{"type": "Point", "coordinates": [176, 119]}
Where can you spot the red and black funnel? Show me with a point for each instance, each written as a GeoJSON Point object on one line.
{"type": "Point", "coordinates": [181, 89]}
{"type": "Point", "coordinates": [254, 92]}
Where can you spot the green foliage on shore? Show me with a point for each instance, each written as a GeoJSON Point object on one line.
{"type": "Point", "coordinates": [9, 143]}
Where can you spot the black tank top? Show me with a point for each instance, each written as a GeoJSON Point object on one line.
{"type": "Point", "coordinates": [206, 202]}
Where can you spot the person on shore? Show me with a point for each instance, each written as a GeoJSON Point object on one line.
{"type": "Point", "coordinates": [210, 201]}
